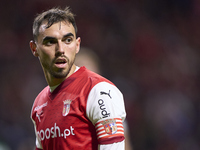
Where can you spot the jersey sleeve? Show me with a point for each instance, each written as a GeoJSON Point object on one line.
{"type": "Point", "coordinates": [105, 109]}
{"type": "Point", "coordinates": [114, 146]}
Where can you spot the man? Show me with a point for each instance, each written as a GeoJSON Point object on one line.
{"type": "Point", "coordinates": [79, 109]}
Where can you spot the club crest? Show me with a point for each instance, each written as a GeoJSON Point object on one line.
{"type": "Point", "coordinates": [66, 107]}
{"type": "Point", "coordinates": [110, 126]}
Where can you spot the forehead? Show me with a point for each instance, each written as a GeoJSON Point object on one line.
{"type": "Point", "coordinates": [57, 29]}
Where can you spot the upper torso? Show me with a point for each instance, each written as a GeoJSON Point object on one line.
{"type": "Point", "coordinates": [63, 119]}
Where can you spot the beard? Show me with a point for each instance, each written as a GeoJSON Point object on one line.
{"type": "Point", "coordinates": [62, 72]}
{"type": "Point", "coordinates": [59, 72]}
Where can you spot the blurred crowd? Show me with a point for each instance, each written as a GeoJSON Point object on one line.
{"type": "Point", "coordinates": [148, 48]}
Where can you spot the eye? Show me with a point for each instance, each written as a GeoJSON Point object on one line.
{"type": "Point", "coordinates": [68, 40]}
{"type": "Point", "coordinates": [49, 42]}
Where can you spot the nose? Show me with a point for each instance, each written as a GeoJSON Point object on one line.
{"type": "Point", "coordinates": [60, 49]}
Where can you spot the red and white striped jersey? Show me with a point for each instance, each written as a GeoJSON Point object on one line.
{"type": "Point", "coordinates": [84, 111]}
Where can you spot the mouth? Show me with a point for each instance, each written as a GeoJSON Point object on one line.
{"type": "Point", "coordinates": [61, 62]}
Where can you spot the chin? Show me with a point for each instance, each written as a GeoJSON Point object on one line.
{"type": "Point", "coordinates": [60, 74]}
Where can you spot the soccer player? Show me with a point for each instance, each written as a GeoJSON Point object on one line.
{"type": "Point", "coordinates": [79, 109]}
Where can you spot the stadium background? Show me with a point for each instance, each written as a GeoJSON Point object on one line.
{"type": "Point", "coordinates": [149, 49]}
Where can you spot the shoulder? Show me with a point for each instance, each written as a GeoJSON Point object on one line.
{"type": "Point", "coordinates": [40, 101]}
{"type": "Point", "coordinates": [41, 97]}
{"type": "Point", "coordinates": [43, 93]}
{"type": "Point", "coordinates": [93, 77]}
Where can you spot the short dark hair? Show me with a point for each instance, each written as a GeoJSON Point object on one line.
{"type": "Point", "coordinates": [52, 16]}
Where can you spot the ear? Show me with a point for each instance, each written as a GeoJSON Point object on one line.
{"type": "Point", "coordinates": [78, 43]}
{"type": "Point", "coordinates": [33, 47]}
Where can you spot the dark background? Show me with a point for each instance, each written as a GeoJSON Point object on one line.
{"type": "Point", "coordinates": [148, 48]}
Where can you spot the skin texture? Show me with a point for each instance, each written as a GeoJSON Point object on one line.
{"type": "Point", "coordinates": [56, 48]}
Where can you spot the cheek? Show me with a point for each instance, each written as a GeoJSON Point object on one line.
{"type": "Point", "coordinates": [47, 53]}
{"type": "Point", "coordinates": [45, 58]}
{"type": "Point", "coordinates": [45, 61]}
{"type": "Point", "coordinates": [72, 50]}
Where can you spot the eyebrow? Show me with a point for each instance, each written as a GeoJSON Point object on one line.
{"type": "Point", "coordinates": [68, 34]}
{"type": "Point", "coordinates": [53, 38]}
{"type": "Point", "coordinates": [48, 38]}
